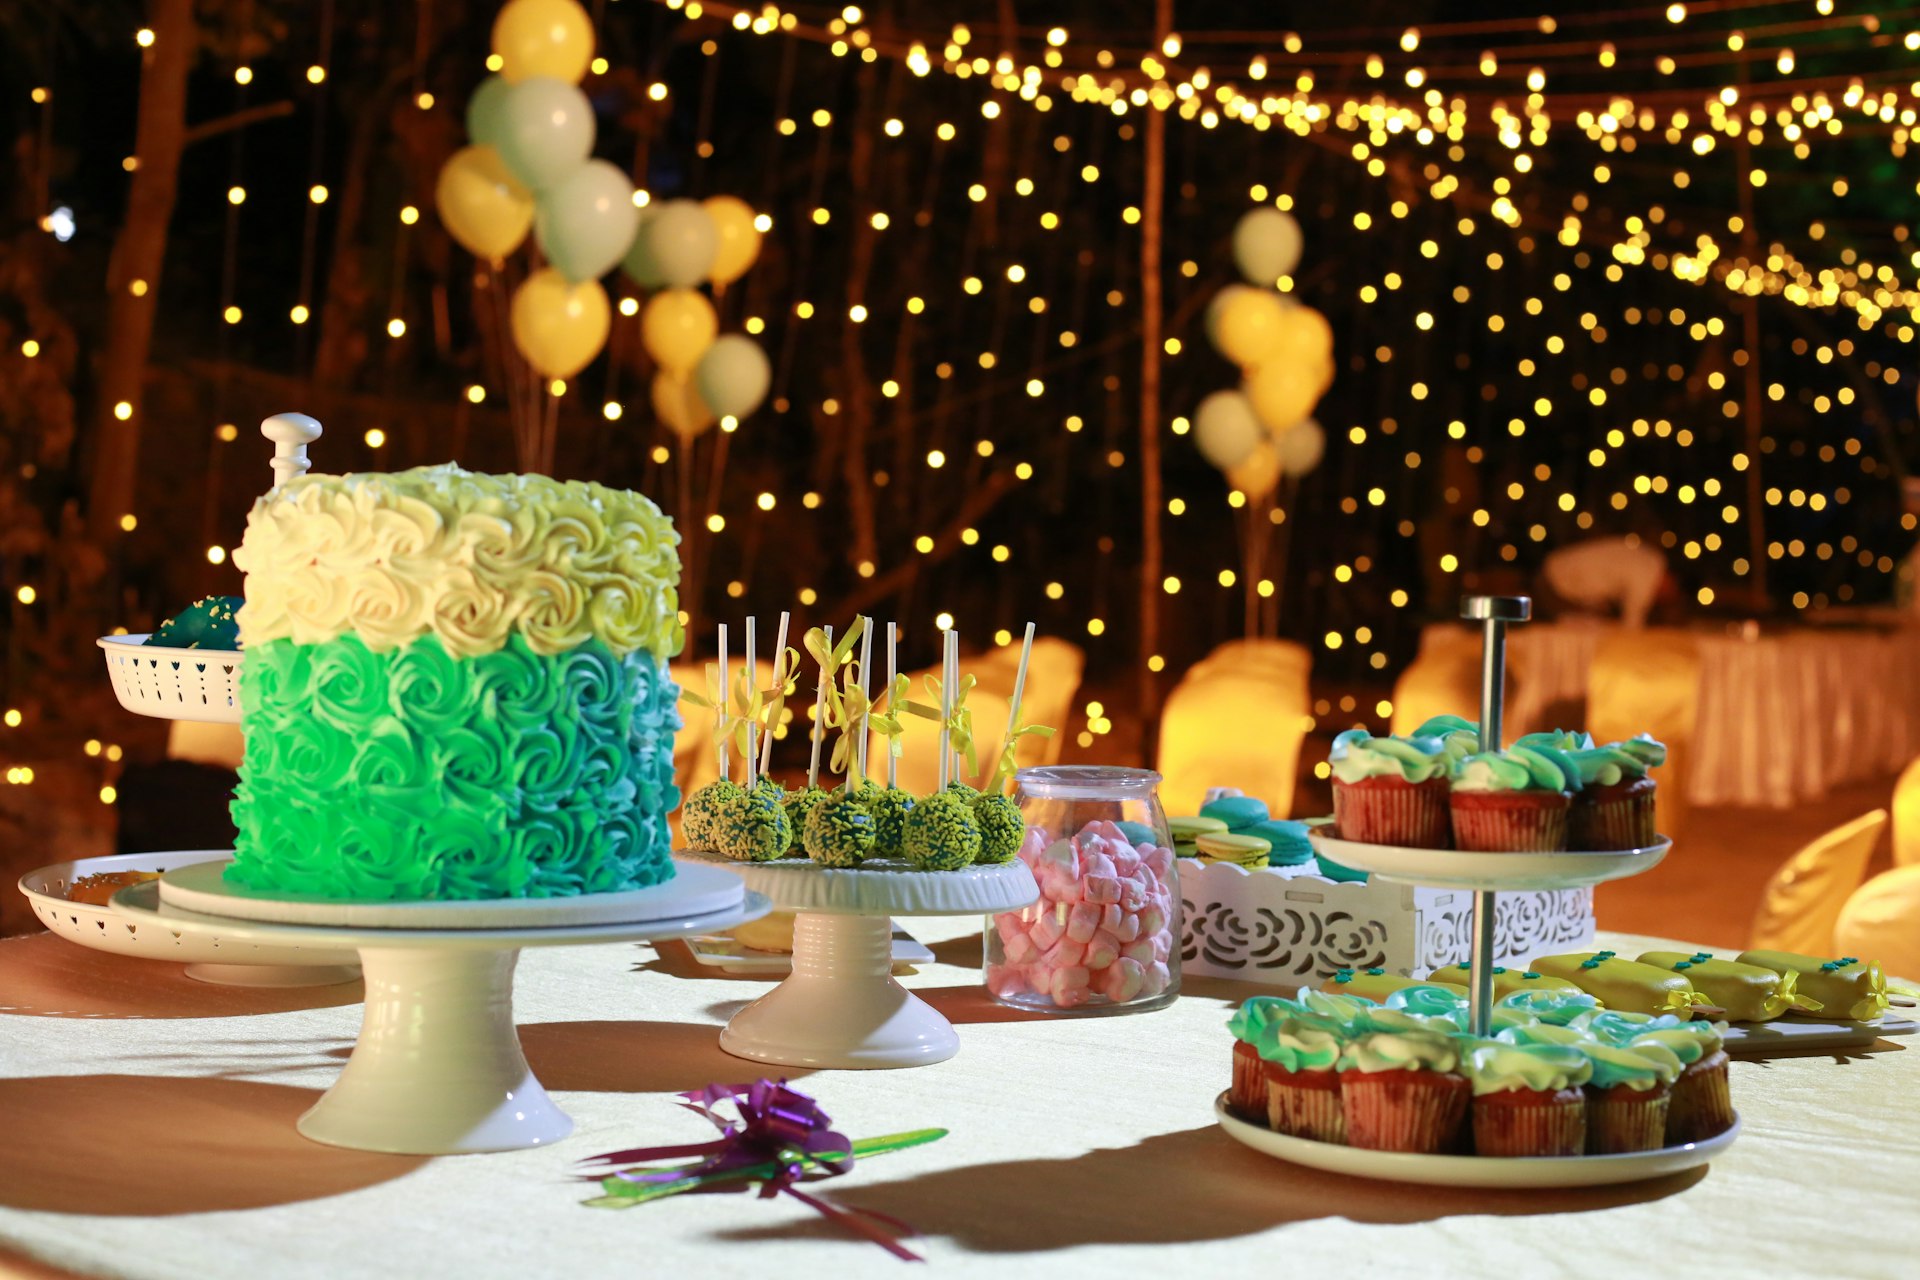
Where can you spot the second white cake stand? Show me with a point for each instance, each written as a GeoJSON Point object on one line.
{"type": "Point", "coordinates": [437, 1069]}
{"type": "Point", "coordinates": [840, 1007]}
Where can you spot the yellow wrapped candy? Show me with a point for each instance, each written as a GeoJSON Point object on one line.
{"type": "Point", "coordinates": [1747, 992]}
{"type": "Point", "coordinates": [1845, 987]}
{"type": "Point", "coordinates": [1624, 985]}
{"type": "Point", "coordinates": [1378, 984]}
{"type": "Point", "coordinates": [1505, 981]}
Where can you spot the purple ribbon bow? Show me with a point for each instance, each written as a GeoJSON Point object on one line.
{"type": "Point", "coordinates": [780, 1134]}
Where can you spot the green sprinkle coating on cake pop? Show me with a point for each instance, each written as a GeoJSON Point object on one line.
{"type": "Point", "coordinates": [799, 804]}
{"type": "Point", "coordinates": [965, 792]}
{"type": "Point", "coordinates": [1001, 827]}
{"type": "Point", "coordinates": [698, 815]}
{"type": "Point", "coordinates": [752, 828]}
{"type": "Point", "coordinates": [941, 834]}
{"type": "Point", "coordinates": [890, 807]}
{"type": "Point", "coordinates": [840, 832]}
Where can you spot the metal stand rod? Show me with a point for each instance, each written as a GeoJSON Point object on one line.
{"type": "Point", "coordinates": [1493, 613]}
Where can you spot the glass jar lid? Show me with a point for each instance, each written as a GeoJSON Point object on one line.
{"type": "Point", "coordinates": [1084, 781]}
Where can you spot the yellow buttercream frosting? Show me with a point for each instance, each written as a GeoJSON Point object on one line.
{"type": "Point", "coordinates": [468, 558]}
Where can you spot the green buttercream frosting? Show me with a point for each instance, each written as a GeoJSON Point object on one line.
{"type": "Point", "coordinates": [1517, 769]}
{"type": "Point", "coordinates": [1400, 1051]}
{"type": "Point", "coordinates": [1001, 827]}
{"type": "Point", "coordinates": [1689, 1042]}
{"type": "Point", "coordinates": [412, 774]}
{"type": "Point", "coordinates": [798, 805]}
{"type": "Point", "coordinates": [1622, 1026]}
{"type": "Point", "coordinates": [1639, 1066]}
{"type": "Point", "coordinates": [1605, 766]}
{"type": "Point", "coordinates": [890, 807]}
{"type": "Point", "coordinates": [1644, 748]}
{"type": "Point", "coordinates": [1497, 1067]}
{"type": "Point", "coordinates": [1255, 1013]}
{"type": "Point", "coordinates": [1459, 737]}
{"type": "Point", "coordinates": [1547, 1033]}
{"type": "Point", "coordinates": [1282, 1032]}
{"type": "Point", "coordinates": [1550, 1006]}
{"type": "Point", "coordinates": [1556, 740]}
{"type": "Point", "coordinates": [209, 623]}
{"type": "Point", "coordinates": [1357, 755]}
{"type": "Point", "coordinates": [941, 834]}
{"type": "Point", "coordinates": [840, 831]}
{"type": "Point", "coordinates": [1430, 1002]}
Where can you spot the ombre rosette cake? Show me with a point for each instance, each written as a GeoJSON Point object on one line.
{"type": "Point", "coordinates": [456, 687]}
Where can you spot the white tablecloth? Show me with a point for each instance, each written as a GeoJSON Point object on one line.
{"type": "Point", "coordinates": [146, 1130]}
{"type": "Point", "coordinates": [1783, 717]}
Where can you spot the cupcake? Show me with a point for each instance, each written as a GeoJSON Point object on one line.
{"type": "Point", "coordinates": [1700, 1105]}
{"type": "Point", "coordinates": [1247, 1094]}
{"type": "Point", "coordinates": [1390, 790]}
{"type": "Point", "coordinates": [1513, 801]}
{"type": "Point", "coordinates": [1528, 1099]}
{"type": "Point", "coordinates": [1628, 1096]}
{"type": "Point", "coordinates": [1459, 737]}
{"type": "Point", "coordinates": [1613, 808]}
{"type": "Point", "coordinates": [1283, 1067]}
{"type": "Point", "coordinates": [1403, 1091]}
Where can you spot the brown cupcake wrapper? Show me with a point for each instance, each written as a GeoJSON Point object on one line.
{"type": "Point", "coordinates": [1392, 811]}
{"type": "Point", "coordinates": [1603, 821]}
{"type": "Point", "coordinates": [1622, 1119]}
{"type": "Point", "coordinates": [1530, 1123]}
{"type": "Point", "coordinates": [1510, 822]}
{"type": "Point", "coordinates": [1417, 1111]}
{"type": "Point", "coordinates": [1701, 1106]}
{"type": "Point", "coordinates": [1247, 1098]}
{"type": "Point", "coordinates": [1306, 1104]}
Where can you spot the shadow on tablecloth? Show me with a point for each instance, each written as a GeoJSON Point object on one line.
{"type": "Point", "coordinates": [46, 976]}
{"type": "Point", "coordinates": [1200, 1185]}
{"type": "Point", "coordinates": [634, 1057]}
{"type": "Point", "coordinates": [143, 1146]}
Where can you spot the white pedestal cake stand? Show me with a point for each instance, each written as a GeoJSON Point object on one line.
{"type": "Point", "coordinates": [840, 1007]}
{"type": "Point", "coordinates": [437, 1069]}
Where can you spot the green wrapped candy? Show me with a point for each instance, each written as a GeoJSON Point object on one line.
{"type": "Point", "coordinates": [890, 807]}
{"type": "Point", "coordinates": [941, 834]}
{"type": "Point", "coordinates": [1001, 827]}
{"type": "Point", "coordinates": [799, 804]}
{"type": "Point", "coordinates": [839, 832]}
{"type": "Point", "coordinates": [208, 623]}
{"type": "Point", "coordinates": [698, 815]}
{"type": "Point", "coordinates": [752, 828]}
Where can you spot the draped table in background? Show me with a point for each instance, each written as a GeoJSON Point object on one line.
{"type": "Point", "coordinates": [146, 1130]}
{"type": "Point", "coordinates": [1783, 717]}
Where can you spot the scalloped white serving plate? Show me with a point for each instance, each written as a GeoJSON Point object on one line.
{"type": "Point", "coordinates": [881, 887]}
{"type": "Point", "coordinates": [1494, 1172]}
{"type": "Point", "coordinates": [1461, 869]}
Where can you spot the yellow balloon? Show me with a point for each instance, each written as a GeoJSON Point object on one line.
{"type": "Point", "coordinates": [739, 239]}
{"type": "Point", "coordinates": [1258, 474]}
{"type": "Point", "coordinates": [677, 327]}
{"type": "Point", "coordinates": [1305, 339]}
{"type": "Point", "coordinates": [677, 403]}
{"type": "Point", "coordinates": [480, 203]}
{"type": "Point", "coordinates": [1282, 393]}
{"type": "Point", "coordinates": [560, 327]}
{"type": "Point", "coordinates": [1247, 325]}
{"type": "Point", "coordinates": [543, 38]}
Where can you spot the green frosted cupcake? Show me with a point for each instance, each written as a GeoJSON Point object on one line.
{"type": "Point", "coordinates": [752, 828]}
{"type": "Point", "coordinates": [890, 807]}
{"type": "Point", "coordinates": [1001, 827]}
{"type": "Point", "coordinates": [699, 815]}
{"type": "Point", "coordinates": [798, 805]}
{"type": "Point", "coordinates": [839, 832]}
{"type": "Point", "coordinates": [941, 834]}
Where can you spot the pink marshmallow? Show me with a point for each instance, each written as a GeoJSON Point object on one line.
{"type": "Point", "coordinates": [1057, 885]}
{"type": "Point", "coordinates": [1110, 917]}
{"type": "Point", "coordinates": [1102, 889]}
{"type": "Point", "coordinates": [1069, 986]}
{"type": "Point", "coordinates": [1082, 919]}
{"type": "Point", "coordinates": [1103, 950]}
{"type": "Point", "coordinates": [1096, 863]}
{"type": "Point", "coordinates": [1048, 929]}
{"type": "Point", "coordinates": [1156, 980]}
{"type": "Point", "coordinates": [1006, 980]}
{"type": "Point", "coordinates": [1123, 981]}
{"type": "Point", "coordinates": [1020, 949]}
{"type": "Point", "coordinates": [1126, 861]}
{"type": "Point", "coordinates": [1153, 919]}
{"type": "Point", "coordinates": [1064, 954]}
{"type": "Point", "coordinates": [1141, 952]}
{"type": "Point", "coordinates": [1160, 862]}
{"type": "Point", "coordinates": [1107, 830]}
{"type": "Point", "coordinates": [1007, 925]}
{"type": "Point", "coordinates": [1162, 944]}
{"type": "Point", "coordinates": [1133, 894]}
{"type": "Point", "coordinates": [1127, 928]}
{"type": "Point", "coordinates": [1033, 845]}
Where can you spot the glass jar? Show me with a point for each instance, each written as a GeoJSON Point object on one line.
{"type": "Point", "coordinates": [1105, 935]}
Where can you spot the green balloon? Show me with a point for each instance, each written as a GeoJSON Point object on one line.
{"type": "Point", "coordinates": [546, 131]}
{"type": "Point", "coordinates": [486, 112]}
{"type": "Point", "coordinates": [733, 376]}
{"type": "Point", "coordinates": [584, 223]}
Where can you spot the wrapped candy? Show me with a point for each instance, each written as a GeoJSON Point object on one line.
{"type": "Point", "coordinates": [1846, 987]}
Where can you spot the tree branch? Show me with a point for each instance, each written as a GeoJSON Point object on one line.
{"type": "Point", "coordinates": [238, 120]}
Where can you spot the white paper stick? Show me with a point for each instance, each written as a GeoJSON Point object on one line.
{"type": "Point", "coordinates": [720, 712]}
{"type": "Point", "coordinates": [866, 655]}
{"type": "Point", "coordinates": [753, 677]}
{"type": "Point", "coordinates": [946, 708]}
{"type": "Point", "coordinates": [953, 682]}
{"type": "Point", "coordinates": [1019, 688]}
{"type": "Point", "coordinates": [893, 657]}
{"type": "Point", "coordinates": [779, 683]}
{"type": "Point", "coordinates": [819, 715]}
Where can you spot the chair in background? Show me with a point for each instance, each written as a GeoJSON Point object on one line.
{"type": "Point", "coordinates": [1881, 921]}
{"type": "Point", "coordinates": [1444, 679]}
{"type": "Point", "coordinates": [1649, 682]}
{"type": "Point", "coordinates": [218, 745]}
{"type": "Point", "coordinates": [1236, 720]}
{"type": "Point", "coordinates": [1906, 817]}
{"type": "Point", "coordinates": [1053, 678]}
{"type": "Point", "coordinates": [1803, 900]}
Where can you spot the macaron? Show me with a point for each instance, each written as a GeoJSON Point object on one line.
{"type": "Point", "coordinates": [1288, 840]}
{"type": "Point", "coordinates": [1238, 812]}
{"type": "Point", "coordinates": [1138, 832]}
{"type": "Point", "coordinates": [1186, 830]}
{"type": "Point", "coordinates": [1241, 850]}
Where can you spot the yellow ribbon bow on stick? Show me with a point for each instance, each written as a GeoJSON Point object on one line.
{"type": "Point", "coordinates": [1009, 749]}
{"type": "Point", "coordinates": [715, 701]}
{"type": "Point", "coordinates": [959, 720]}
{"type": "Point", "coordinates": [748, 709]}
{"type": "Point", "coordinates": [884, 714]}
{"type": "Point", "coordinates": [831, 659]}
{"type": "Point", "coordinates": [773, 699]}
{"type": "Point", "coordinates": [849, 714]}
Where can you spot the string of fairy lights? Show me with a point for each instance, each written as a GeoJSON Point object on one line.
{"type": "Point", "coordinates": [1471, 153]}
